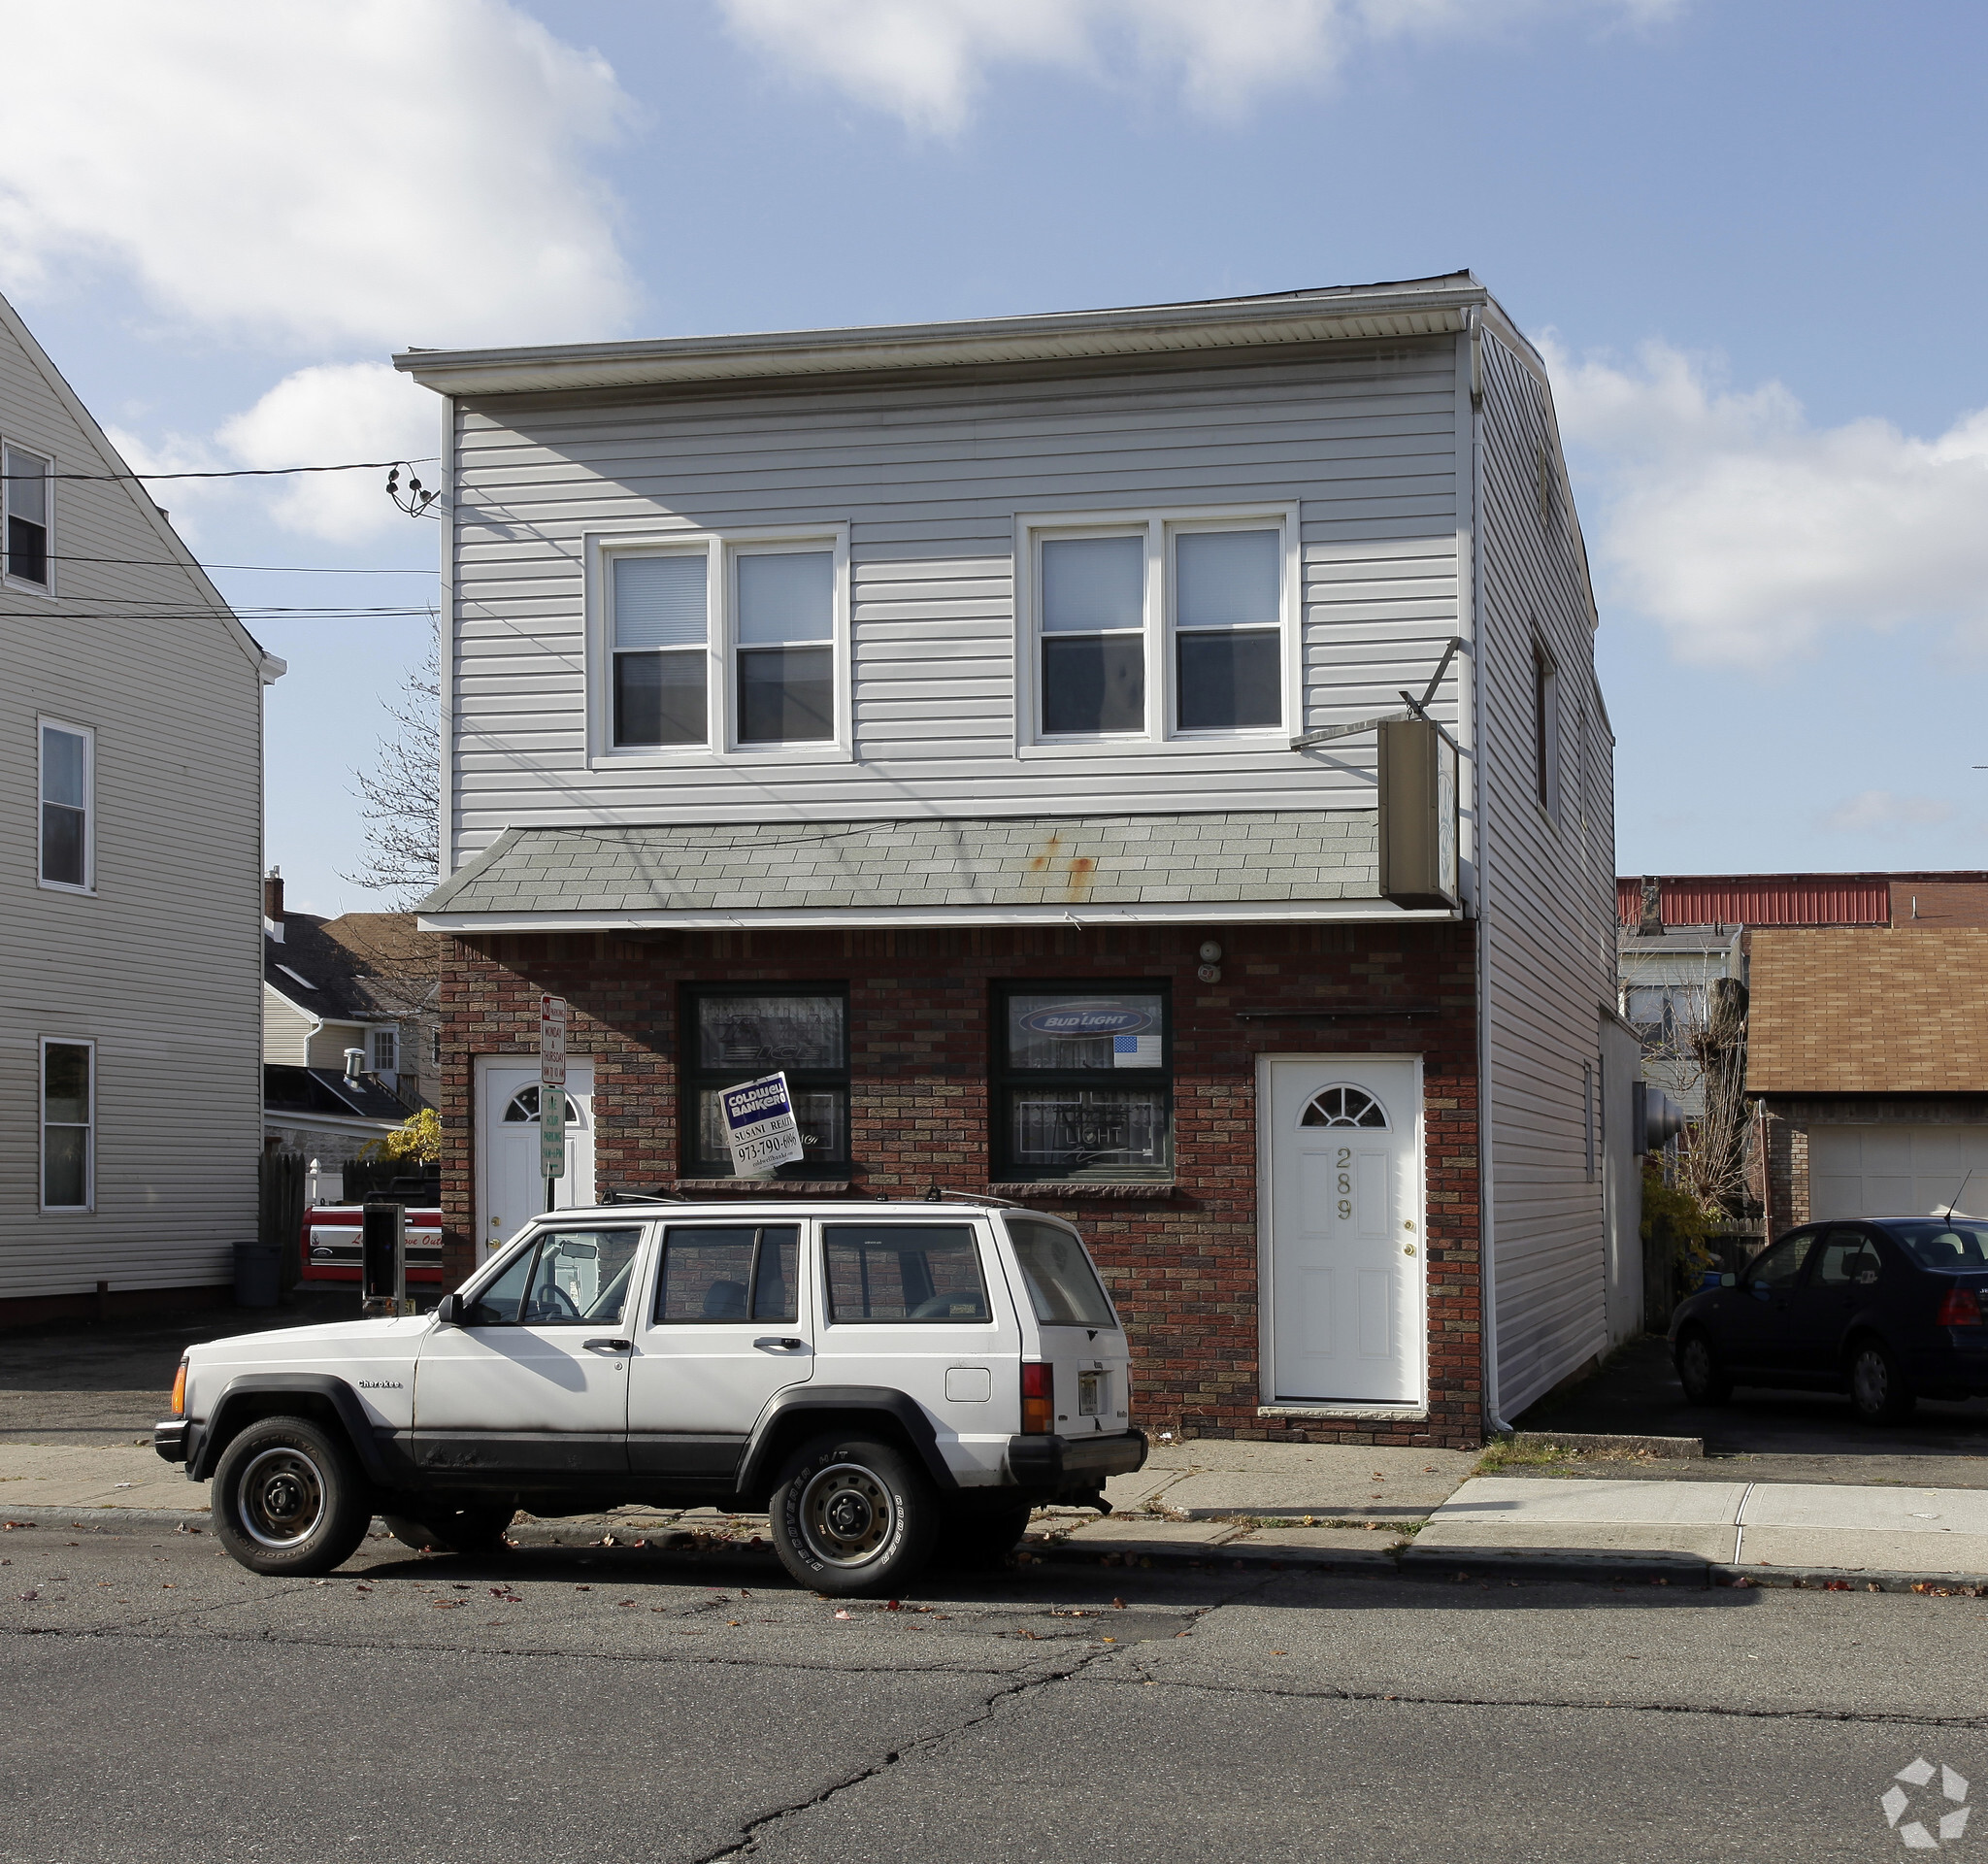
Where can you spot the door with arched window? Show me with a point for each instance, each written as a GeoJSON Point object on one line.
{"type": "Point", "coordinates": [508, 1188]}
{"type": "Point", "coordinates": [1343, 1232]}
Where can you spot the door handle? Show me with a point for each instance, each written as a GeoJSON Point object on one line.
{"type": "Point", "coordinates": [611, 1345]}
{"type": "Point", "coordinates": [774, 1342]}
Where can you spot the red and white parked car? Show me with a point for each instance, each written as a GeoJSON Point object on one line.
{"type": "Point", "coordinates": [331, 1243]}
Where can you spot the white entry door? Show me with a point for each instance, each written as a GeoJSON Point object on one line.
{"type": "Point", "coordinates": [510, 1192]}
{"type": "Point", "coordinates": [1344, 1231]}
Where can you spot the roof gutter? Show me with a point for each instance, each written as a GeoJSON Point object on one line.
{"type": "Point", "coordinates": [1435, 308]}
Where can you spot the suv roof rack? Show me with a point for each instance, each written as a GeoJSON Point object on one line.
{"type": "Point", "coordinates": [938, 1193]}
{"type": "Point", "coordinates": [662, 1194]}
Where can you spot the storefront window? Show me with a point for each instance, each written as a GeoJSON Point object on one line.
{"type": "Point", "coordinates": [1084, 1082]}
{"type": "Point", "coordinates": [735, 1034]}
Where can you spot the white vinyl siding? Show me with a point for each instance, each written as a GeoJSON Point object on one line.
{"type": "Point", "coordinates": [926, 485]}
{"type": "Point", "coordinates": [1548, 915]}
{"type": "Point", "coordinates": [161, 967]}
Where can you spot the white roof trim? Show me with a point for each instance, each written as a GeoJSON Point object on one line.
{"type": "Point", "coordinates": [1413, 307]}
{"type": "Point", "coordinates": [851, 919]}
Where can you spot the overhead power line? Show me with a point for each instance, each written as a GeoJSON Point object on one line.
{"type": "Point", "coordinates": [240, 472]}
{"type": "Point", "coordinates": [286, 569]}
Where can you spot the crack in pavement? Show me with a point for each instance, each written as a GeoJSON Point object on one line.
{"type": "Point", "coordinates": [1329, 1692]}
{"type": "Point", "coordinates": [749, 1833]}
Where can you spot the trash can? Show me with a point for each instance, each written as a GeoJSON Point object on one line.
{"type": "Point", "coordinates": [258, 1274]}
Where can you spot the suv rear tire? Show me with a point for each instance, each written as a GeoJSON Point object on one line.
{"type": "Point", "coordinates": [977, 1543]}
{"type": "Point", "coordinates": [853, 1516]}
{"type": "Point", "coordinates": [452, 1530]}
{"type": "Point", "coordinates": [288, 1498]}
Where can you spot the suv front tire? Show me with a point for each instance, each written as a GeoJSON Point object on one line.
{"type": "Point", "coordinates": [288, 1498]}
{"type": "Point", "coordinates": [853, 1516]}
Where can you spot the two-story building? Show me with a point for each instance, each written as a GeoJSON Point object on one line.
{"type": "Point", "coordinates": [131, 844]}
{"type": "Point", "coordinates": [980, 721]}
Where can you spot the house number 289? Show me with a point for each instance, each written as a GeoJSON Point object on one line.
{"type": "Point", "coordinates": [1345, 1183]}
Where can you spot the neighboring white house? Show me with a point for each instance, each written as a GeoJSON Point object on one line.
{"type": "Point", "coordinates": [130, 851]}
{"type": "Point", "coordinates": [978, 722]}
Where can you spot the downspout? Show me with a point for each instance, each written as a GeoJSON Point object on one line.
{"type": "Point", "coordinates": [1487, 1219]}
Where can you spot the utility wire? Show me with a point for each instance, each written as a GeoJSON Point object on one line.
{"type": "Point", "coordinates": [240, 472]}
{"type": "Point", "coordinates": [286, 569]}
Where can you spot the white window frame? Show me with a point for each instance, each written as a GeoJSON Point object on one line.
{"type": "Point", "coordinates": [392, 1032]}
{"type": "Point", "coordinates": [89, 1168]}
{"type": "Point", "coordinates": [13, 583]}
{"type": "Point", "coordinates": [88, 733]}
{"type": "Point", "coordinates": [721, 550]}
{"type": "Point", "coordinates": [1161, 525]}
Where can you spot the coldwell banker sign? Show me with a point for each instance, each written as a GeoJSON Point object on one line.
{"type": "Point", "coordinates": [759, 1124]}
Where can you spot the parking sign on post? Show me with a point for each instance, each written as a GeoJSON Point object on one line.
{"type": "Point", "coordinates": [551, 1092]}
{"type": "Point", "coordinates": [759, 1124]}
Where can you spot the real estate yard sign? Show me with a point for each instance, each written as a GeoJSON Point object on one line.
{"type": "Point", "coordinates": [551, 1087]}
{"type": "Point", "coordinates": [760, 1125]}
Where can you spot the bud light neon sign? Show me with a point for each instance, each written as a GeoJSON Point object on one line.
{"type": "Point", "coordinates": [1086, 1021]}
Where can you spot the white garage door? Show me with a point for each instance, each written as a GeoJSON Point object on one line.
{"type": "Point", "coordinates": [1897, 1171]}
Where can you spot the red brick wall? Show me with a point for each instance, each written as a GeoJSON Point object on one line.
{"type": "Point", "coordinates": [1182, 1264]}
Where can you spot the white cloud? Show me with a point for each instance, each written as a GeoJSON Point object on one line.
{"type": "Point", "coordinates": [1751, 535]}
{"type": "Point", "coordinates": [331, 413]}
{"type": "Point", "coordinates": [359, 172]}
{"type": "Point", "coordinates": [1872, 811]}
{"type": "Point", "coordinates": [924, 60]}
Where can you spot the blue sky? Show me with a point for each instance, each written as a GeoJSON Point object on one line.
{"type": "Point", "coordinates": [1750, 237]}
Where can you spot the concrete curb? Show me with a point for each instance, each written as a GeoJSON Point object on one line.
{"type": "Point", "coordinates": [1603, 1444]}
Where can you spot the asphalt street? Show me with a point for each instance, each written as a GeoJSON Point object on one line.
{"type": "Point", "coordinates": [626, 1703]}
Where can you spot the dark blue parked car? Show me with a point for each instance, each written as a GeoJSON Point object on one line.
{"type": "Point", "coordinates": [1887, 1309]}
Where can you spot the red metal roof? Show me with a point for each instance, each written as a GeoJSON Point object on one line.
{"type": "Point", "coordinates": [1763, 899]}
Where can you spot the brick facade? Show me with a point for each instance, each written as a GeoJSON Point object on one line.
{"type": "Point", "coordinates": [1181, 1259]}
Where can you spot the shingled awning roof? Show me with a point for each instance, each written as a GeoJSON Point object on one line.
{"type": "Point", "coordinates": [1236, 865]}
{"type": "Point", "coordinates": [1837, 1011]}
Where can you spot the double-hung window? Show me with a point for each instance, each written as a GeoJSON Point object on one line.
{"type": "Point", "coordinates": [1082, 1081]}
{"type": "Point", "coordinates": [68, 784]}
{"type": "Point", "coordinates": [660, 629]}
{"type": "Point", "coordinates": [785, 680]}
{"type": "Point", "coordinates": [68, 1124]}
{"type": "Point", "coordinates": [725, 645]}
{"type": "Point", "coordinates": [735, 1033]}
{"type": "Point", "coordinates": [1160, 627]}
{"type": "Point", "coordinates": [24, 497]}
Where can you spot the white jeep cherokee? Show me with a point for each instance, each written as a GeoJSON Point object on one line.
{"type": "Point", "coordinates": [888, 1379]}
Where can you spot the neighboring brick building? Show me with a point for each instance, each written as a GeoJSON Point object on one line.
{"type": "Point", "coordinates": [978, 722]}
{"type": "Point", "coordinates": [1868, 1059]}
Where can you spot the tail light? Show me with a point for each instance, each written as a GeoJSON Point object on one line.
{"type": "Point", "coordinates": [1038, 1398]}
{"type": "Point", "coordinates": [180, 1391]}
{"type": "Point", "coordinates": [1959, 1308]}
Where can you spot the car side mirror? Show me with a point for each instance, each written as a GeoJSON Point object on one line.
{"type": "Point", "coordinates": [1729, 1281]}
{"type": "Point", "coordinates": [448, 1310]}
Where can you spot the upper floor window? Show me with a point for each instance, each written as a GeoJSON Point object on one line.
{"type": "Point", "coordinates": [24, 497]}
{"type": "Point", "coordinates": [722, 645]}
{"type": "Point", "coordinates": [385, 1051]}
{"type": "Point", "coordinates": [1161, 626]}
{"type": "Point", "coordinates": [1546, 731]}
{"type": "Point", "coordinates": [68, 787]}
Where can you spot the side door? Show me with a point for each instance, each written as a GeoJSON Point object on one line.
{"type": "Point", "coordinates": [1758, 1324]}
{"type": "Point", "coordinates": [510, 1192]}
{"type": "Point", "coordinates": [731, 1325]}
{"type": "Point", "coordinates": [924, 1309]}
{"type": "Point", "coordinates": [533, 1384]}
{"type": "Point", "coordinates": [1845, 1270]}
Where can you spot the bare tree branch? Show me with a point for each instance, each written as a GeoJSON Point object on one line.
{"type": "Point", "coordinates": [402, 793]}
